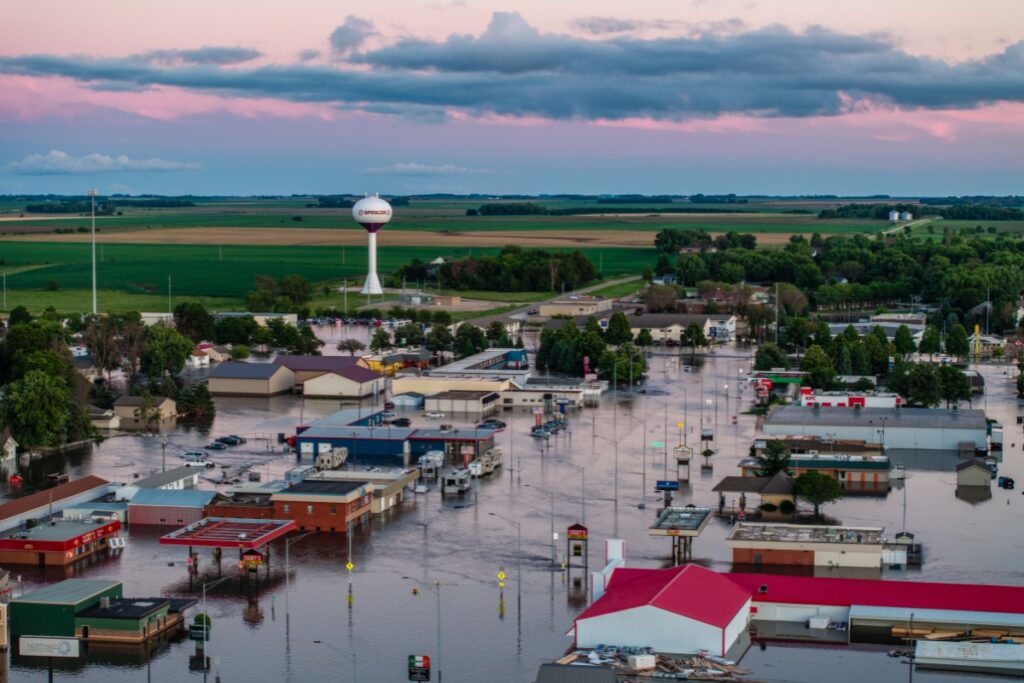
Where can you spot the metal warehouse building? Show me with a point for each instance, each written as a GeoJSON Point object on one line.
{"type": "Point", "coordinates": [250, 379]}
{"type": "Point", "coordinates": [162, 507]}
{"type": "Point", "coordinates": [935, 429]}
{"type": "Point", "coordinates": [50, 611]}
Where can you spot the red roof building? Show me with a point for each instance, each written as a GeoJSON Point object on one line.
{"type": "Point", "coordinates": [681, 609]}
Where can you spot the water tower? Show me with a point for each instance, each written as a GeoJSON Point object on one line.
{"type": "Point", "coordinates": [372, 213]}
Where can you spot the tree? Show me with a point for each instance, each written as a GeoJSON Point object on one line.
{"type": "Point", "coordinates": [923, 385]}
{"type": "Point", "coordinates": [644, 338]}
{"type": "Point", "coordinates": [660, 298]}
{"type": "Point", "coordinates": [35, 410]}
{"type": "Point", "coordinates": [663, 265]}
{"type": "Point", "coordinates": [469, 339]}
{"type": "Point", "coordinates": [770, 356]}
{"type": "Point", "coordinates": [353, 346]}
{"type": "Point", "coordinates": [439, 339]}
{"type": "Point", "coordinates": [693, 336]}
{"type": "Point", "coordinates": [954, 385]}
{"type": "Point", "coordinates": [164, 351]}
{"type": "Point", "coordinates": [957, 343]}
{"type": "Point", "coordinates": [904, 341]}
{"type": "Point", "coordinates": [930, 341]}
{"type": "Point", "coordinates": [1020, 385]}
{"type": "Point", "coordinates": [618, 331]}
{"type": "Point", "coordinates": [647, 274]}
{"type": "Point", "coordinates": [691, 269]}
{"type": "Point", "coordinates": [380, 341]}
{"type": "Point", "coordinates": [818, 366]}
{"type": "Point", "coordinates": [409, 334]}
{"type": "Point", "coordinates": [497, 335]}
{"type": "Point", "coordinates": [774, 459]}
{"type": "Point", "coordinates": [101, 338]}
{"type": "Point", "coordinates": [240, 352]}
{"type": "Point", "coordinates": [19, 314]}
{"type": "Point", "coordinates": [817, 489]}
{"type": "Point", "coordinates": [193, 321]}
{"type": "Point", "coordinates": [130, 345]}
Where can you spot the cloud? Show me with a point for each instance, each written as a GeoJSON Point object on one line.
{"type": "Point", "coordinates": [351, 34]}
{"type": "Point", "coordinates": [307, 55]}
{"type": "Point", "coordinates": [513, 70]}
{"type": "Point", "coordinates": [217, 55]}
{"type": "Point", "coordinates": [602, 25]}
{"type": "Point", "coordinates": [412, 168]}
{"type": "Point", "coordinates": [62, 163]}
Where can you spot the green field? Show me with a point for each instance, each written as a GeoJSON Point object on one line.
{"type": "Point", "coordinates": [80, 301]}
{"type": "Point", "coordinates": [938, 226]}
{"type": "Point", "coordinates": [619, 290]}
{"type": "Point", "coordinates": [198, 270]}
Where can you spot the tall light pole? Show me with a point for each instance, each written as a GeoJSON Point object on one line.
{"type": "Point", "coordinates": [92, 199]}
{"type": "Point", "coordinates": [206, 615]}
{"type": "Point", "coordinates": [583, 490]}
{"type": "Point", "coordinates": [436, 585]}
{"type": "Point", "coordinates": [287, 571]}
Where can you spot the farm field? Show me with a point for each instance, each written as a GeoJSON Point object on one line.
{"type": "Point", "coordinates": [933, 229]}
{"type": "Point", "coordinates": [211, 270]}
{"type": "Point", "coordinates": [110, 301]}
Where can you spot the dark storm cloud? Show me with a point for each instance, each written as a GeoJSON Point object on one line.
{"type": "Point", "coordinates": [351, 34]}
{"type": "Point", "coordinates": [513, 69]}
{"type": "Point", "coordinates": [221, 56]}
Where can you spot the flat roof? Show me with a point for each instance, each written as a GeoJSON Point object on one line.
{"type": "Point", "coordinates": [141, 400]}
{"type": "Point", "coordinates": [227, 532]}
{"type": "Point", "coordinates": [190, 498]}
{"type": "Point", "coordinates": [895, 418]}
{"type": "Point", "coordinates": [126, 608]}
{"type": "Point", "coordinates": [164, 478]}
{"type": "Point", "coordinates": [316, 363]}
{"type": "Point", "coordinates": [457, 395]}
{"type": "Point", "coordinates": [839, 460]}
{"type": "Point", "coordinates": [803, 533]}
{"type": "Point", "coordinates": [452, 435]}
{"type": "Point", "coordinates": [473, 363]}
{"type": "Point", "coordinates": [680, 521]}
{"type": "Point", "coordinates": [902, 614]}
{"type": "Point", "coordinates": [67, 592]}
{"type": "Point", "coordinates": [382, 433]}
{"type": "Point", "coordinates": [59, 530]}
{"type": "Point", "coordinates": [323, 487]}
{"type": "Point", "coordinates": [346, 417]}
{"type": "Point", "coordinates": [810, 590]}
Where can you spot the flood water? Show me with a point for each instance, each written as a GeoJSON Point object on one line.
{"type": "Point", "coordinates": [313, 632]}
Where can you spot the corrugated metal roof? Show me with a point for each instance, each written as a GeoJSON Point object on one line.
{"type": "Point", "coordinates": [189, 498]}
{"type": "Point", "coordinates": [895, 418]}
{"type": "Point", "coordinates": [316, 363]}
{"type": "Point", "coordinates": [67, 592]}
{"type": "Point", "coordinates": [945, 616]}
{"type": "Point", "coordinates": [357, 432]}
{"type": "Point", "coordinates": [56, 494]}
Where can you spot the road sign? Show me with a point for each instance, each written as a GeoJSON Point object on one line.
{"type": "Point", "coordinates": [35, 646]}
{"type": "Point", "coordinates": [664, 485]}
{"type": "Point", "coordinates": [501, 575]}
{"type": "Point", "coordinates": [419, 668]}
{"type": "Point", "coordinates": [679, 424]}
{"type": "Point", "coordinates": [657, 444]}
{"type": "Point", "coordinates": [199, 632]}
{"type": "Point", "coordinates": [349, 566]}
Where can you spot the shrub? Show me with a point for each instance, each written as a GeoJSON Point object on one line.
{"type": "Point", "coordinates": [787, 507]}
{"type": "Point", "coordinates": [768, 507]}
{"type": "Point", "coordinates": [240, 352]}
{"type": "Point", "coordinates": [51, 285]}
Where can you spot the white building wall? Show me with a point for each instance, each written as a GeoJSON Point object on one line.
{"type": "Point", "coordinates": [943, 439]}
{"type": "Point", "coordinates": [651, 627]}
{"type": "Point", "coordinates": [737, 627]}
{"type": "Point", "coordinates": [779, 611]}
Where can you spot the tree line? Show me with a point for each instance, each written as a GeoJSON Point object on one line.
{"type": "Point", "coordinates": [513, 269]}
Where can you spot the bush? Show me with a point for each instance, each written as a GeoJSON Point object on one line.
{"type": "Point", "coordinates": [52, 286]}
{"type": "Point", "coordinates": [240, 352]}
{"type": "Point", "coordinates": [768, 507]}
{"type": "Point", "coordinates": [787, 507]}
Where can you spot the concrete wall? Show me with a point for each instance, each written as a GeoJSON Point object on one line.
{"type": "Point", "coordinates": [808, 554]}
{"type": "Point", "coordinates": [650, 626]}
{"type": "Point", "coordinates": [737, 626]}
{"type": "Point", "coordinates": [778, 611]}
{"type": "Point", "coordinates": [281, 382]}
{"type": "Point", "coordinates": [164, 515]}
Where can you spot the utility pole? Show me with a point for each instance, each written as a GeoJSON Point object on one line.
{"type": "Point", "coordinates": [170, 305]}
{"type": "Point", "coordinates": [776, 313]}
{"type": "Point", "coordinates": [92, 198]}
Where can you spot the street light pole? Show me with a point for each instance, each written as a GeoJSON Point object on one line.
{"type": "Point", "coordinates": [287, 572]}
{"type": "Point", "coordinates": [519, 566]}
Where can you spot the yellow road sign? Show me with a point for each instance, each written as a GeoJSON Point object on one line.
{"type": "Point", "coordinates": [501, 576]}
{"type": "Point", "coordinates": [349, 566]}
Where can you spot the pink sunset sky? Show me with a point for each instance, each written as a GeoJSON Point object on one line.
{"type": "Point", "coordinates": [746, 96]}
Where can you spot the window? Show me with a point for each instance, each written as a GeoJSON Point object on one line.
{"type": "Point", "coordinates": [309, 509]}
{"type": "Point", "coordinates": [334, 509]}
{"type": "Point", "coordinates": [286, 507]}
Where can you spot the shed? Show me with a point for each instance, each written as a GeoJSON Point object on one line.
{"type": "Point", "coordinates": [409, 399]}
{"type": "Point", "coordinates": [104, 418]}
{"type": "Point", "coordinates": [464, 402]}
{"type": "Point", "coordinates": [250, 379]}
{"type": "Point", "coordinates": [164, 507]}
{"type": "Point", "coordinates": [352, 382]}
{"type": "Point", "coordinates": [973, 472]}
{"type": "Point", "coordinates": [681, 609]}
{"type": "Point", "coordinates": [51, 610]}
{"type": "Point", "coordinates": [133, 407]}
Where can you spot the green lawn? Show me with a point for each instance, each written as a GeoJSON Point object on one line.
{"type": "Point", "coordinates": [620, 290]}
{"type": "Point", "coordinates": [80, 301]}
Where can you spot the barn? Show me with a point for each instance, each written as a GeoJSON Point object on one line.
{"type": "Point", "coordinates": [351, 382]}
{"type": "Point", "coordinates": [680, 610]}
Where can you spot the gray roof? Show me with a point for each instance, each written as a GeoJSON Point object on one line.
{"type": "Point", "coordinates": [564, 673]}
{"type": "Point", "coordinates": [240, 370]}
{"type": "Point", "coordinates": [68, 592]}
{"type": "Point", "coordinates": [140, 400]}
{"type": "Point", "coordinates": [165, 478]}
{"type": "Point", "coordinates": [972, 462]}
{"type": "Point", "coordinates": [895, 418]}
{"type": "Point", "coordinates": [316, 363]}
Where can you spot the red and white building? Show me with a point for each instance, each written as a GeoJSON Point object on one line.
{"type": "Point", "coordinates": [848, 399]}
{"type": "Point", "coordinates": [681, 610]}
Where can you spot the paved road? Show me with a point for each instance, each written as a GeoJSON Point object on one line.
{"type": "Point", "coordinates": [897, 228]}
{"type": "Point", "coordinates": [521, 313]}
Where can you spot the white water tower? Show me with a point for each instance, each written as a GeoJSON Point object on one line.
{"type": "Point", "coordinates": [372, 213]}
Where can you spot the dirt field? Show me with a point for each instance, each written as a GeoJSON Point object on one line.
{"type": "Point", "coordinates": [310, 237]}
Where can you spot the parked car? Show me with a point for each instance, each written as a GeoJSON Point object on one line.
{"type": "Point", "coordinates": [193, 455]}
{"type": "Point", "coordinates": [390, 405]}
{"type": "Point", "coordinates": [239, 439]}
{"type": "Point", "coordinates": [226, 440]}
{"type": "Point", "coordinates": [533, 311]}
{"type": "Point", "coordinates": [434, 415]}
{"type": "Point", "coordinates": [388, 415]}
{"type": "Point", "coordinates": [401, 422]}
{"type": "Point", "coordinates": [495, 421]}
{"type": "Point", "coordinates": [491, 426]}
{"type": "Point", "coordinates": [215, 446]}
{"type": "Point", "coordinates": [199, 463]}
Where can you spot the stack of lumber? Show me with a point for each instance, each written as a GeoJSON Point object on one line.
{"type": "Point", "coordinates": [682, 668]}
